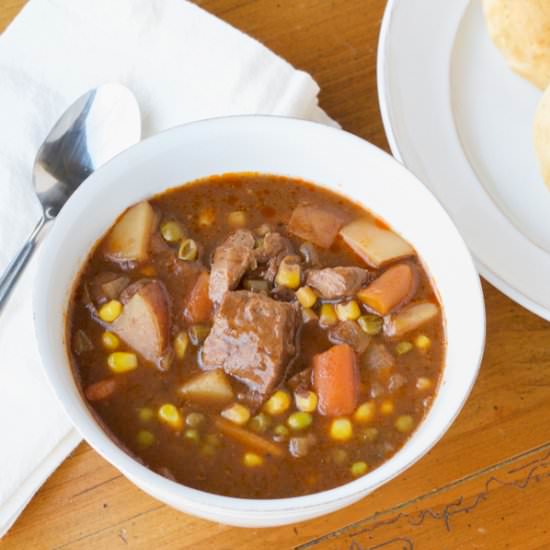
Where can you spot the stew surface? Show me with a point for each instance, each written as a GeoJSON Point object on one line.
{"type": "Point", "coordinates": [255, 336]}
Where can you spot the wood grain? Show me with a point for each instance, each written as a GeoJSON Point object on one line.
{"type": "Point", "coordinates": [479, 512]}
{"type": "Point", "coordinates": [504, 427]}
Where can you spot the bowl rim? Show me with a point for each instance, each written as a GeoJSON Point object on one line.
{"type": "Point", "coordinates": [208, 502]}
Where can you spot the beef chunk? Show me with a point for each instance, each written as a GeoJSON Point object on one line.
{"type": "Point", "coordinates": [283, 294]}
{"type": "Point", "coordinates": [314, 223]}
{"type": "Point", "coordinates": [337, 282]}
{"type": "Point", "coordinates": [380, 360]}
{"type": "Point", "coordinates": [272, 245]}
{"type": "Point", "coordinates": [349, 332]}
{"type": "Point", "coordinates": [158, 245]}
{"type": "Point", "coordinates": [253, 339]}
{"type": "Point", "coordinates": [231, 261]}
{"type": "Point", "coordinates": [396, 382]}
{"type": "Point", "coordinates": [144, 323]}
{"type": "Point", "coordinates": [107, 286]}
{"type": "Point", "coordinates": [300, 380]}
{"type": "Point", "coordinates": [310, 254]}
{"type": "Point", "coordinates": [273, 249]}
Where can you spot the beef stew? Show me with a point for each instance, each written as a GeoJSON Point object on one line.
{"type": "Point", "coordinates": [255, 336]}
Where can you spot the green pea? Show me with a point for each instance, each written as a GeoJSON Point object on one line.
{"type": "Point", "coordinates": [191, 435]}
{"type": "Point", "coordinates": [145, 414]}
{"type": "Point", "coordinates": [145, 438]}
{"type": "Point", "coordinates": [369, 434]}
{"type": "Point", "coordinates": [260, 423]}
{"type": "Point", "coordinates": [359, 468]}
{"type": "Point", "coordinates": [299, 420]}
{"type": "Point", "coordinates": [404, 423]}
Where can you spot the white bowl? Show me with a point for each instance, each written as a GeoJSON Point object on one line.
{"type": "Point", "coordinates": [331, 158]}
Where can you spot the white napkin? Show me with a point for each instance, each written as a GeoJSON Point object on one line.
{"type": "Point", "coordinates": [183, 64]}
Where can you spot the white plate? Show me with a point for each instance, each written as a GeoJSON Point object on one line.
{"type": "Point", "coordinates": [461, 120]}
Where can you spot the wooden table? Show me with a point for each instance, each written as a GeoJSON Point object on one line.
{"type": "Point", "coordinates": [485, 485]}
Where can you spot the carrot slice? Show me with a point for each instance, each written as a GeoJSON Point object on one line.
{"type": "Point", "coordinates": [246, 438]}
{"type": "Point", "coordinates": [392, 288]}
{"type": "Point", "coordinates": [199, 306]}
{"type": "Point", "coordinates": [101, 390]}
{"type": "Point", "coordinates": [336, 380]}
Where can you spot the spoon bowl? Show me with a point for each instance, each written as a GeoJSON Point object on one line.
{"type": "Point", "coordinates": [95, 128]}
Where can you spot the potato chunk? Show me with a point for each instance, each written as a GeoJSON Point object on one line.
{"type": "Point", "coordinates": [315, 223]}
{"type": "Point", "coordinates": [129, 239]}
{"type": "Point", "coordinates": [208, 387]}
{"type": "Point", "coordinates": [375, 245]}
{"type": "Point", "coordinates": [409, 318]}
{"type": "Point", "coordinates": [144, 323]}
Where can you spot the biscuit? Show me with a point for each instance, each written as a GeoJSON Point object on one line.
{"type": "Point", "coordinates": [521, 31]}
{"type": "Point", "coordinates": [541, 135]}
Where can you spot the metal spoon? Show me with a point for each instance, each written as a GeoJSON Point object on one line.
{"type": "Point", "coordinates": [96, 127]}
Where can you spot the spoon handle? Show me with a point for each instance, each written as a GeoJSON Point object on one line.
{"type": "Point", "coordinates": [15, 267]}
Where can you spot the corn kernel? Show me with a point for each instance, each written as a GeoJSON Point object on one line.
{"type": "Point", "coordinates": [252, 460]}
{"type": "Point", "coordinates": [404, 423]}
{"type": "Point", "coordinates": [309, 316]}
{"type": "Point", "coordinates": [359, 468]}
{"type": "Point", "coordinates": [288, 274]}
{"type": "Point", "coordinates": [122, 361]}
{"type": "Point", "coordinates": [423, 383]}
{"type": "Point", "coordinates": [145, 438]}
{"type": "Point", "coordinates": [278, 403]}
{"type": "Point", "coordinates": [191, 434]}
{"type": "Point", "coordinates": [339, 456]}
{"type": "Point", "coordinates": [145, 414]}
{"type": "Point", "coordinates": [365, 412]}
{"type": "Point", "coordinates": [110, 340]}
{"type": "Point", "coordinates": [348, 311]}
{"type": "Point", "coordinates": [237, 413]}
{"type": "Point", "coordinates": [236, 218]}
{"type": "Point", "coordinates": [306, 296]}
{"type": "Point", "coordinates": [422, 342]}
{"type": "Point", "coordinates": [403, 347]}
{"type": "Point", "coordinates": [110, 311]}
{"type": "Point", "coordinates": [171, 231]}
{"type": "Point", "coordinates": [305, 400]}
{"type": "Point", "coordinates": [341, 429]}
{"type": "Point", "coordinates": [299, 420]}
{"type": "Point", "coordinates": [206, 217]}
{"type": "Point", "coordinates": [181, 341]}
{"type": "Point", "coordinates": [328, 315]}
{"type": "Point", "coordinates": [170, 415]}
{"type": "Point", "coordinates": [386, 407]}
{"type": "Point", "coordinates": [370, 324]}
